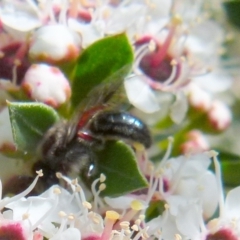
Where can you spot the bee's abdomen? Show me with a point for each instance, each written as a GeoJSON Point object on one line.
{"type": "Point", "coordinates": [121, 125]}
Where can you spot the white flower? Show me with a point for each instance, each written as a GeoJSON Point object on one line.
{"type": "Point", "coordinates": [18, 18]}
{"type": "Point", "coordinates": [184, 176]}
{"type": "Point", "coordinates": [46, 84]}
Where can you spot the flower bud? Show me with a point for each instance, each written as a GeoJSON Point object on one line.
{"type": "Point", "coordinates": [219, 115]}
{"type": "Point", "coordinates": [46, 84]}
{"type": "Point", "coordinates": [199, 99]}
{"type": "Point", "coordinates": [195, 143]}
{"type": "Point", "coordinates": [55, 43]}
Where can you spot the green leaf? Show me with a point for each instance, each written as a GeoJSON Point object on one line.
{"type": "Point", "coordinates": [232, 9]}
{"type": "Point", "coordinates": [117, 161]}
{"type": "Point", "coordinates": [231, 173]}
{"type": "Point", "coordinates": [29, 123]}
{"type": "Point", "coordinates": [230, 164]}
{"type": "Point", "coordinates": [155, 209]}
{"type": "Point", "coordinates": [98, 63]}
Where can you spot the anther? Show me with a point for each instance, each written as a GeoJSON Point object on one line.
{"type": "Point", "coordinates": [137, 205]}
{"type": "Point", "coordinates": [102, 177]}
{"type": "Point", "coordinates": [59, 175]}
{"type": "Point", "coordinates": [62, 214]}
{"type": "Point", "coordinates": [25, 216]}
{"type": "Point", "coordinates": [39, 173]}
{"type": "Point", "coordinates": [87, 205]}
{"type": "Point", "coordinates": [57, 191]}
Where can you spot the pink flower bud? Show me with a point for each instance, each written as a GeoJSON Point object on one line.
{"type": "Point", "coordinates": [55, 43]}
{"type": "Point", "coordinates": [46, 84]}
{"type": "Point", "coordinates": [198, 98]}
{"type": "Point", "coordinates": [219, 115]}
{"type": "Point", "coordinates": [196, 143]}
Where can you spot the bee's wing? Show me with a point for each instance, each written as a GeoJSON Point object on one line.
{"type": "Point", "coordinates": [108, 93]}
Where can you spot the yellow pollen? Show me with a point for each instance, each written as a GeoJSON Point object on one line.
{"type": "Point", "coordinates": [152, 46]}
{"type": "Point", "coordinates": [62, 214]}
{"type": "Point", "coordinates": [87, 205]}
{"type": "Point", "coordinates": [102, 178]}
{"type": "Point", "coordinates": [39, 173]}
{"type": "Point", "coordinates": [71, 217]}
{"type": "Point", "coordinates": [213, 225]}
{"type": "Point", "coordinates": [127, 232]}
{"type": "Point", "coordinates": [183, 59]}
{"type": "Point", "coordinates": [102, 186]}
{"type": "Point", "coordinates": [138, 221]}
{"type": "Point", "coordinates": [25, 216]}
{"type": "Point", "coordinates": [166, 206]}
{"type": "Point", "coordinates": [16, 62]}
{"type": "Point", "coordinates": [125, 225]}
{"type": "Point", "coordinates": [136, 205]}
{"type": "Point", "coordinates": [138, 146]}
{"type": "Point", "coordinates": [176, 20]}
{"type": "Point", "coordinates": [213, 153]}
{"type": "Point", "coordinates": [78, 189]}
{"type": "Point", "coordinates": [145, 235]}
{"type": "Point", "coordinates": [173, 62]}
{"type": "Point", "coordinates": [150, 167]}
{"type": "Point", "coordinates": [178, 237]}
{"type": "Point", "coordinates": [58, 175]}
{"type": "Point", "coordinates": [112, 215]}
{"type": "Point", "coordinates": [96, 220]}
{"type": "Point", "coordinates": [75, 181]}
{"type": "Point", "coordinates": [134, 227]}
{"type": "Point", "coordinates": [57, 191]}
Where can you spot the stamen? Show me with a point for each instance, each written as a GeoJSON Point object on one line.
{"type": "Point", "coordinates": [97, 201]}
{"type": "Point", "coordinates": [142, 51]}
{"type": "Point", "coordinates": [25, 216]}
{"type": "Point", "coordinates": [63, 12]}
{"type": "Point", "coordinates": [167, 154]}
{"type": "Point", "coordinates": [87, 205]}
{"type": "Point", "coordinates": [4, 202]}
{"type": "Point", "coordinates": [111, 218]}
{"type": "Point", "coordinates": [152, 189]}
{"type": "Point", "coordinates": [160, 55]}
{"type": "Point", "coordinates": [217, 166]}
{"type": "Point", "coordinates": [71, 219]}
{"type": "Point", "coordinates": [178, 236]}
{"type": "Point", "coordinates": [102, 177]}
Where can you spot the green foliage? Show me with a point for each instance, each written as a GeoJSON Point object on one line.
{"type": "Point", "coordinates": [29, 123]}
{"type": "Point", "coordinates": [98, 63]}
{"type": "Point", "coordinates": [117, 161]}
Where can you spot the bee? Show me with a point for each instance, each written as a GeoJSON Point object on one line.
{"type": "Point", "coordinates": [72, 145]}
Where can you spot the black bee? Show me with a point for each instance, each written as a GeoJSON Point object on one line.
{"type": "Point", "coordinates": [71, 146]}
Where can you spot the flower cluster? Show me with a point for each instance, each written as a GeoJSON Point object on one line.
{"type": "Point", "coordinates": [182, 185]}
